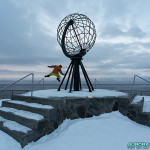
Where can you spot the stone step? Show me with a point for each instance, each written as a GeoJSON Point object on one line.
{"type": "Point", "coordinates": [137, 106]}
{"type": "Point", "coordinates": [135, 109]}
{"type": "Point", "coordinates": [47, 111]}
{"type": "Point", "coordinates": [126, 101]}
{"type": "Point", "coordinates": [20, 133]}
{"type": "Point", "coordinates": [26, 118]}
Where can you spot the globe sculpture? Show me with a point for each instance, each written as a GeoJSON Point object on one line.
{"type": "Point", "coordinates": [76, 34]}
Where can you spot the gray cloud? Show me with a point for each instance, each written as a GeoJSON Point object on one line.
{"type": "Point", "coordinates": [112, 30]}
{"type": "Point", "coordinates": [136, 32]}
{"type": "Point", "coordinates": [29, 36]}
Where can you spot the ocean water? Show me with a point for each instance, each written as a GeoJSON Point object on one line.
{"type": "Point", "coordinates": [140, 89]}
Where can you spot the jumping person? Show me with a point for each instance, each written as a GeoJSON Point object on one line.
{"type": "Point", "coordinates": [55, 71]}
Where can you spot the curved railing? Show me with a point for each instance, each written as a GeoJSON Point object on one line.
{"type": "Point", "coordinates": [134, 81]}
{"type": "Point", "coordinates": [31, 74]}
{"type": "Point", "coordinates": [39, 83]}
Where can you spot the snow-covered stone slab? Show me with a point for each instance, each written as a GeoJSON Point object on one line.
{"type": "Point", "coordinates": [35, 105]}
{"type": "Point", "coordinates": [146, 105]}
{"type": "Point", "coordinates": [2, 119]}
{"type": "Point", "coordinates": [137, 99]}
{"type": "Point", "coordinates": [12, 125]}
{"type": "Point", "coordinates": [84, 93]}
{"type": "Point", "coordinates": [1, 100]}
{"type": "Point", "coordinates": [22, 113]}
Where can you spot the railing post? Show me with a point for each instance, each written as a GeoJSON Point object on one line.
{"type": "Point", "coordinates": [42, 80]}
{"type": "Point", "coordinates": [12, 93]}
{"type": "Point", "coordinates": [32, 84]}
{"type": "Point", "coordinates": [133, 83]}
{"type": "Point", "coordinates": [95, 83]}
{"type": "Point", "coordinates": [43, 83]}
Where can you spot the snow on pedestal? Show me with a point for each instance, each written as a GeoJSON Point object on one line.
{"type": "Point", "coordinates": [83, 93]}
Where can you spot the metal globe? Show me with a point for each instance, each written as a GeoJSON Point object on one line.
{"type": "Point", "coordinates": [79, 36]}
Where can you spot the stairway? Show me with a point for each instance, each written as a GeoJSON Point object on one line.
{"type": "Point", "coordinates": [27, 121]}
{"type": "Point", "coordinates": [134, 111]}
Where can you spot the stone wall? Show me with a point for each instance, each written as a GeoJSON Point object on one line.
{"type": "Point", "coordinates": [73, 108]}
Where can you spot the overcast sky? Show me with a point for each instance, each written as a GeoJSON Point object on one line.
{"type": "Point", "coordinates": [28, 37]}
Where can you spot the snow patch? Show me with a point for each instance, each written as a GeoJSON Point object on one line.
{"type": "Point", "coordinates": [2, 119]}
{"type": "Point", "coordinates": [83, 93]}
{"type": "Point", "coordinates": [36, 105]}
{"type": "Point", "coordinates": [146, 105]}
{"type": "Point", "coordinates": [12, 125]}
{"type": "Point", "coordinates": [22, 113]}
{"type": "Point", "coordinates": [15, 126]}
{"type": "Point", "coordinates": [137, 99]}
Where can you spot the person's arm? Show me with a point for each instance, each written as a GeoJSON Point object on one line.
{"type": "Point", "coordinates": [53, 66]}
{"type": "Point", "coordinates": [61, 72]}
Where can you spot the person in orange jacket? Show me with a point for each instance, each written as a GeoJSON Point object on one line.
{"type": "Point", "coordinates": [55, 71]}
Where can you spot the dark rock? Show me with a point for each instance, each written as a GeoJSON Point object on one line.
{"type": "Point", "coordinates": [93, 110]}
{"type": "Point", "coordinates": [88, 115]}
{"type": "Point", "coordinates": [115, 107]}
{"type": "Point", "coordinates": [142, 119]}
{"type": "Point", "coordinates": [131, 115]}
{"type": "Point", "coordinates": [81, 111]}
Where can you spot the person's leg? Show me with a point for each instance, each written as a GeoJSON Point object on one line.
{"type": "Point", "coordinates": [53, 74]}
{"type": "Point", "coordinates": [58, 77]}
{"type": "Point", "coordinates": [48, 75]}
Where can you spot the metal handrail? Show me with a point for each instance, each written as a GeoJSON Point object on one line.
{"type": "Point", "coordinates": [39, 83]}
{"type": "Point", "coordinates": [134, 81]}
{"type": "Point", "coordinates": [20, 80]}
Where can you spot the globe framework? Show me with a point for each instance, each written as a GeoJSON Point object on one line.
{"type": "Point", "coordinates": [83, 35]}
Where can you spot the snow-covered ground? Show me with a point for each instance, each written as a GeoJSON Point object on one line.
{"type": "Point", "coordinates": [111, 131]}
{"type": "Point", "coordinates": [83, 93]}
